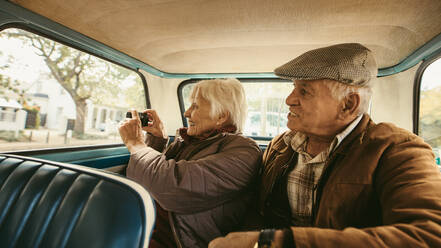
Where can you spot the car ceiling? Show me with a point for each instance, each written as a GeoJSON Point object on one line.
{"type": "Point", "coordinates": [245, 36]}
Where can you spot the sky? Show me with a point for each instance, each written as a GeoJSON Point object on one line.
{"type": "Point", "coordinates": [30, 64]}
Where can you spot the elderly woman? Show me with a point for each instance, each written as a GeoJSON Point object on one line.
{"type": "Point", "coordinates": [204, 178]}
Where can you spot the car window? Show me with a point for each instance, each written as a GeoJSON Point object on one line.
{"type": "Point", "coordinates": [267, 111]}
{"type": "Point", "coordinates": [52, 95]}
{"type": "Point", "coordinates": [430, 107]}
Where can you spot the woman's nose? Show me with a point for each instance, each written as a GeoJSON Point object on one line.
{"type": "Point", "coordinates": [187, 113]}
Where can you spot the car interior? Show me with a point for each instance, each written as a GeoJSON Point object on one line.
{"type": "Point", "coordinates": [150, 53]}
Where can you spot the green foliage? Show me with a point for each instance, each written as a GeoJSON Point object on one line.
{"type": "Point", "coordinates": [82, 75]}
{"type": "Point", "coordinates": [7, 87]}
{"type": "Point", "coordinates": [31, 109]}
{"type": "Point", "coordinates": [10, 87]}
{"type": "Point", "coordinates": [37, 121]}
{"type": "Point", "coordinates": [134, 95]}
{"type": "Point", "coordinates": [431, 105]}
{"type": "Point", "coordinates": [430, 116]}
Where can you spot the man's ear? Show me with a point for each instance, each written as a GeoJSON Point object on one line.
{"type": "Point", "coordinates": [350, 105]}
{"type": "Point", "coordinates": [223, 118]}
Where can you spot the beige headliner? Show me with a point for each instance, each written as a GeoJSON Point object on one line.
{"type": "Point", "coordinates": [191, 36]}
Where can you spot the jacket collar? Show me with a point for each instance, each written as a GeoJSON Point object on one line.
{"type": "Point", "coordinates": [281, 147]}
{"type": "Point", "coordinates": [182, 132]}
{"type": "Point", "coordinates": [359, 131]}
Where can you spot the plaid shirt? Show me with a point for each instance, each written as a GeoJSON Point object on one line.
{"type": "Point", "coordinates": [306, 174]}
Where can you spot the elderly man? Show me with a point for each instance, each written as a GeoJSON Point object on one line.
{"type": "Point", "coordinates": [338, 179]}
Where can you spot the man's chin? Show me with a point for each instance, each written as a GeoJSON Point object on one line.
{"type": "Point", "coordinates": [292, 127]}
{"type": "Point", "coordinates": [295, 128]}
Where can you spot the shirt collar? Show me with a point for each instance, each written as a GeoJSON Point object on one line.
{"type": "Point", "coordinates": [341, 136]}
{"type": "Point", "coordinates": [297, 140]}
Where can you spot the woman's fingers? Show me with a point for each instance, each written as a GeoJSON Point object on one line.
{"type": "Point", "coordinates": [130, 130]}
{"type": "Point", "coordinates": [155, 127]}
{"type": "Point", "coordinates": [131, 134]}
{"type": "Point", "coordinates": [154, 117]}
{"type": "Point", "coordinates": [134, 114]}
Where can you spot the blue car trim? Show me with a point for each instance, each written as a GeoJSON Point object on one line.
{"type": "Point", "coordinates": [102, 156]}
{"type": "Point", "coordinates": [431, 48]}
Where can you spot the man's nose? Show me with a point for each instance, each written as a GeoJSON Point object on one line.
{"type": "Point", "coordinates": [290, 100]}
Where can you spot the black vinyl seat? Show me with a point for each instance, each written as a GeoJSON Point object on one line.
{"type": "Point", "coordinates": [50, 204]}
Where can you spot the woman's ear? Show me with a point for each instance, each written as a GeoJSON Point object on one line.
{"type": "Point", "coordinates": [350, 105]}
{"type": "Point", "coordinates": [223, 118]}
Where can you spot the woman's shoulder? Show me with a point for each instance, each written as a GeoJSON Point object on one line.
{"type": "Point", "coordinates": [241, 146]}
{"type": "Point", "coordinates": [239, 138]}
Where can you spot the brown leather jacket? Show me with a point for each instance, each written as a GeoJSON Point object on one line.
{"type": "Point", "coordinates": [206, 185]}
{"type": "Point", "coordinates": [380, 188]}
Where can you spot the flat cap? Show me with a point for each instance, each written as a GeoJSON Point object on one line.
{"type": "Point", "coordinates": [349, 63]}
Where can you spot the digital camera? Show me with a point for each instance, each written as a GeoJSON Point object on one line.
{"type": "Point", "coordinates": [144, 117]}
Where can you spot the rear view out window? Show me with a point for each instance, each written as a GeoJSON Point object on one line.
{"type": "Point", "coordinates": [430, 107]}
{"type": "Point", "coordinates": [267, 111]}
{"type": "Point", "coordinates": [52, 95]}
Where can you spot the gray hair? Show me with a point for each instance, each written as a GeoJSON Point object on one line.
{"type": "Point", "coordinates": [340, 90]}
{"type": "Point", "coordinates": [224, 95]}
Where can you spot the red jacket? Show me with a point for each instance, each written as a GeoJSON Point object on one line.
{"type": "Point", "coordinates": [380, 188]}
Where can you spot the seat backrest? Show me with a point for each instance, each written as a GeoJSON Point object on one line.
{"type": "Point", "coordinates": [50, 204]}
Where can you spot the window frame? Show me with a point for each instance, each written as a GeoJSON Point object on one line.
{"type": "Point", "coordinates": [417, 89]}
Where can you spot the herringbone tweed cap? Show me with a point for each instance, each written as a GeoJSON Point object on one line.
{"type": "Point", "coordinates": [349, 63]}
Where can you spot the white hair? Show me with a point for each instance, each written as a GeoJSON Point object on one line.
{"type": "Point", "coordinates": [340, 90]}
{"type": "Point", "coordinates": [224, 95]}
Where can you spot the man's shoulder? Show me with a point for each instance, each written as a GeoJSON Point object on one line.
{"type": "Point", "coordinates": [390, 132]}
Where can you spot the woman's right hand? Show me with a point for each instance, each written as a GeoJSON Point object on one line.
{"type": "Point", "coordinates": [155, 127]}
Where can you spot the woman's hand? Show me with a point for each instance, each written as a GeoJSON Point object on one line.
{"type": "Point", "coordinates": [155, 126]}
{"type": "Point", "coordinates": [131, 133]}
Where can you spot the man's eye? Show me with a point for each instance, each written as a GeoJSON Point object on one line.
{"type": "Point", "coordinates": [303, 92]}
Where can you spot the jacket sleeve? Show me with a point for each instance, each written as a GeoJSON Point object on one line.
{"type": "Point", "coordinates": [409, 188]}
{"type": "Point", "coordinates": [196, 185]}
{"type": "Point", "coordinates": [156, 143]}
